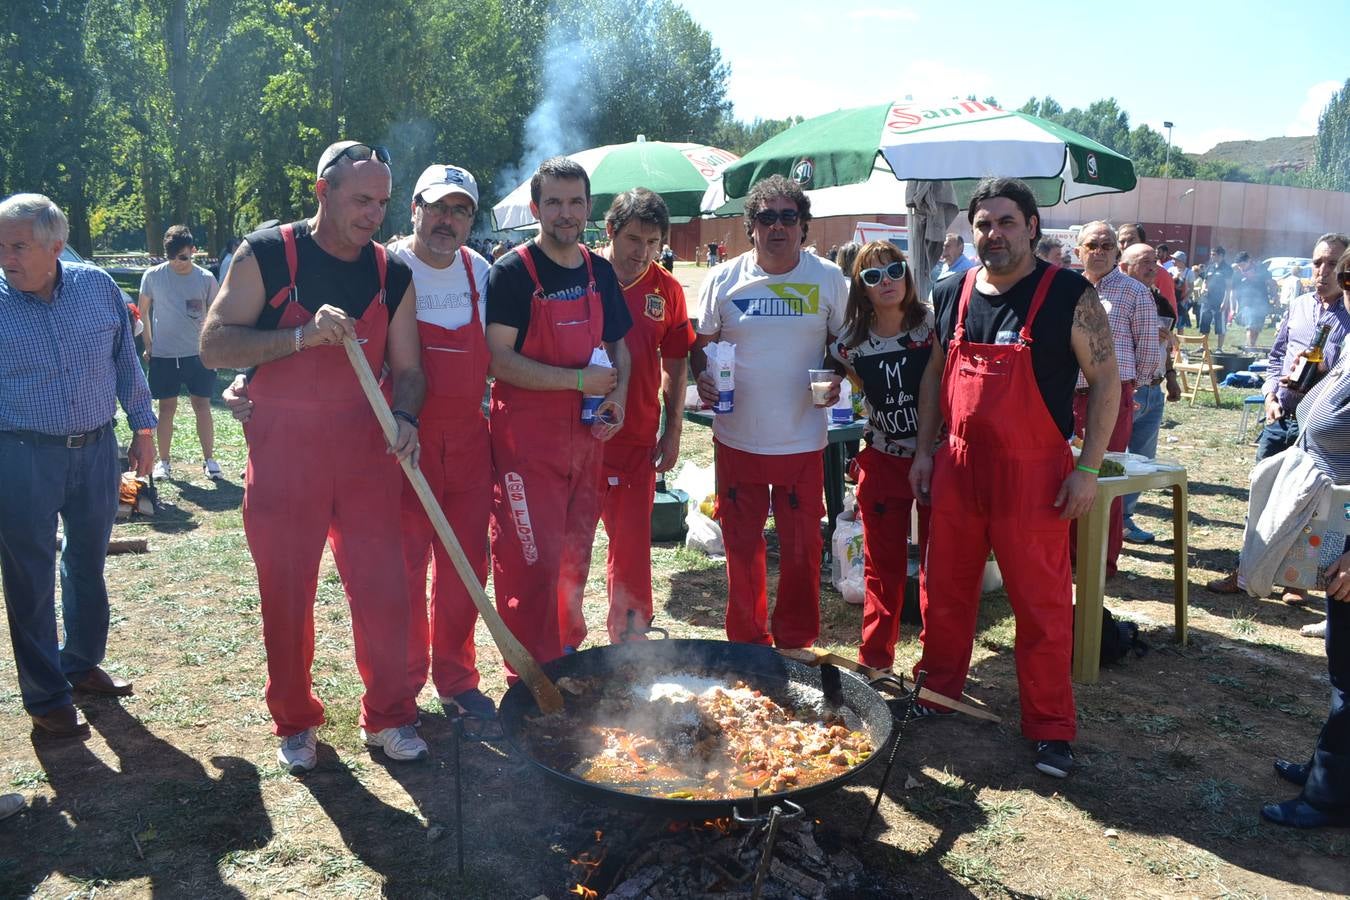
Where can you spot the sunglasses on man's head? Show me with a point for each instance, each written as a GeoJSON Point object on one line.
{"type": "Point", "coordinates": [358, 153]}
{"type": "Point", "coordinates": [872, 277]}
{"type": "Point", "coordinates": [767, 217]}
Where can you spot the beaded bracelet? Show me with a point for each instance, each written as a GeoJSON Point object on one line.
{"type": "Point", "coordinates": [299, 338]}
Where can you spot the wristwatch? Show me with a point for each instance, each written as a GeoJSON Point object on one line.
{"type": "Point", "coordinates": [407, 417]}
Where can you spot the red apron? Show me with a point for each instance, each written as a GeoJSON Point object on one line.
{"type": "Point", "coordinates": [884, 502]}
{"type": "Point", "coordinates": [301, 486]}
{"type": "Point", "coordinates": [546, 501]}
{"type": "Point", "coordinates": [456, 459]}
{"type": "Point", "coordinates": [994, 483]}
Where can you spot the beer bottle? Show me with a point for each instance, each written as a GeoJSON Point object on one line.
{"type": "Point", "coordinates": [1305, 373]}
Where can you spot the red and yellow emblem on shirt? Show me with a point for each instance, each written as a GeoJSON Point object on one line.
{"type": "Point", "coordinates": [655, 307]}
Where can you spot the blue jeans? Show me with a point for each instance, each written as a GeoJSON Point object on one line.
{"type": "Point", "coordinates": [1328, 784]}
{"type": "Point", "coordinates": [1149, 401]}
{"type": "Point", "coordinates": [1276, 437]}
{"type": "Point", "coordinates": [38, 482]}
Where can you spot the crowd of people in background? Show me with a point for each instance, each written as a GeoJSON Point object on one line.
{"type": "Point", "coordinates": [990, 403]}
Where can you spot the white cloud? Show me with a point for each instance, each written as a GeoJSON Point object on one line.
{"type": "Point", "coordinates": [1305, 122]}
{"type": "Point", "coordinates": [886, 14]}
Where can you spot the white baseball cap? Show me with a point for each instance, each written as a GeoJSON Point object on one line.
{"type": "Point", "coordinates": [439, 181]}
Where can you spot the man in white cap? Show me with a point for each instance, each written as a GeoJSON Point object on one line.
{"type": "Point", "coordinates": [456, 457]}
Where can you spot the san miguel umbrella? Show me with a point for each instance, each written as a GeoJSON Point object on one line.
{"type": "Point", "coordinates": [679, 172]}
{"type": "Point", "coordinates": [959, 142]}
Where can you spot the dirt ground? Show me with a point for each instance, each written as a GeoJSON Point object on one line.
{"type": "Point", "coordinates": [177, 792]}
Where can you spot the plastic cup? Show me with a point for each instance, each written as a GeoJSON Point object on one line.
{"type": "Point", "coordinates": [822, 382]}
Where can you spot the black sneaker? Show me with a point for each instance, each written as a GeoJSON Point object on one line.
{"type": "Point", "coordinates": [1054, 758]}
{"type": "Point", "coordinates": [931, 712]}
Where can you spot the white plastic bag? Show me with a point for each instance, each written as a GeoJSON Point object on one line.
{"type": "Point", "coordinates": [846, 555]}
{"type": "Point", "coordinates": [700, 483]}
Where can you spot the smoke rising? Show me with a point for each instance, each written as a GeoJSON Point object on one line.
{"type": "Point", "coordinates": [561, 121]}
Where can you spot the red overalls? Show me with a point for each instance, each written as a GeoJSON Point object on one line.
{"type": "Point", "coordinates": [318, 468]}
{"type": "Point", "coordinates": [456, 459]}
{"type": "Point", "coordinates": [995, 482]}
{"type": "Point", "coordinates": [884, 502]}
{"type": "Point", "coordinates": [546, 501]}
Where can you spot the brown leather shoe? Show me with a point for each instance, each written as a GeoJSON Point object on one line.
{"type": "Point", "coordinates": [1227, 585]}
{"type": "Point", "coordinates": [62, 722]}
{"type": "Point", "coordinates": [98, 681]}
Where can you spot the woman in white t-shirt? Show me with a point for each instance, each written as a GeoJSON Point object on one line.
{"type": "Point", "coordinates": [887, 340]}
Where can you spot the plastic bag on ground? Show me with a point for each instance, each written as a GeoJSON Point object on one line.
{"type": "Point", "coordinates": [700, 483]}
{"type": "Point", "coordinates": [846, 554]}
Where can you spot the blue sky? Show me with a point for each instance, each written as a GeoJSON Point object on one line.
{"type": "Point", "coordinates": [1219, 72]}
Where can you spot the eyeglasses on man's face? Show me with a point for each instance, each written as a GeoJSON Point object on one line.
{"type": "Point", "coordinates": [769, 217]}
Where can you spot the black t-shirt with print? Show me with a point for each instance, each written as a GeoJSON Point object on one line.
{"type": "Point", "coordinates": [510, 290]}
{"type": "Point", "coordinates": [322, 279]}
{"type": "Point", "coordinates": [997, 320]}
{"type": "Point", "coordinates": [890, 369]}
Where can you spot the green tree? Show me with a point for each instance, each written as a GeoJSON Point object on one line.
{"type": "Point", "coordinates": [1331, 169]}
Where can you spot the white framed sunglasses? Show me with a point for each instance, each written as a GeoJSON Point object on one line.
{"type": "Point", "coordinates": [895, 271]}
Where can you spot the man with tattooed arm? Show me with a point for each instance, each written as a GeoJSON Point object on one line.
{"type": "Point", "coordinates": [1013, 336]}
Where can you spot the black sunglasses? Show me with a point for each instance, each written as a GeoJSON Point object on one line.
{"type": "Point", "coordinates": [1344, 279]}
{"type": "Point", "coordinates": [872, 277]}
{"type": "Point", "coordinates": [358, 153]}
{"type": "Point", "coordinates": [767, 217]}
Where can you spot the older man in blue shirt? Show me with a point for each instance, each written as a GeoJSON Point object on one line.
{"type": "Point", "coordinates": [67, 357]}
{"type": "Point", "coordinates": [1306, 315]}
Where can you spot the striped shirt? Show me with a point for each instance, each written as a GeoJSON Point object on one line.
{"type": "Point", "coordinates": [1134, 327]}
{"type": "Point", "coordinates": [1298, 329]}
{"type": "Point", "coordinates": [1324, 423]}
{"type": "Point", "coordinates": [64, 364]}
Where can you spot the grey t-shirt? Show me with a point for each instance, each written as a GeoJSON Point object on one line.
{"type": "Point", "coordinates": [178, 309]}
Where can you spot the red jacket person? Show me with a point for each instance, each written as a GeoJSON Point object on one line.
{"type": "Point", "coordinates": [318, 465]}
{"type": "Point", "coordinates": [638, 223]}
{"type": "Point", "coordinates": [1012, 337]}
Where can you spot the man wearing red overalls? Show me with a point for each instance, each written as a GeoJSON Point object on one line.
{"type": "Point", "coordinates": [318, 465]}
{"type": "Point", "coordinates": [451, 282]}
{"type": "Point", "coordinates": [638, 223]}
{"type": "Point", "coordinates": [551, 305]}
{"type": "Point", "coordinates": [1012, 337]}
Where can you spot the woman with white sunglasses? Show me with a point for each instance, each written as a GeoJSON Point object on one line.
{"type": "Point", "coordinates": [888, 337]}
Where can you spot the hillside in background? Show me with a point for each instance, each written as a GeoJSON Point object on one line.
{"type": "Point", "coordinates": [1277, 154]}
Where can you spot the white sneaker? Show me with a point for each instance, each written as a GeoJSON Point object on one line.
{"type": "Point", "coordinates": [400, 743]}
{"type": "Point", "coordinates": [299, 752]}
{"type": "Point", "coordinates": [1315, 629]}
{"type": "Point", "coordinates": [161, 469]}
{"type": "Point", "coordinates": [212, 469]}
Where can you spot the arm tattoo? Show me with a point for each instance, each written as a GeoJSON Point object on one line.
{"type": "Point", "coordinates": [1089, 317]}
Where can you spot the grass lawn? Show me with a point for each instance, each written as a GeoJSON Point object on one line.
{"type": "Point", "coordinates": [177, 792]}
